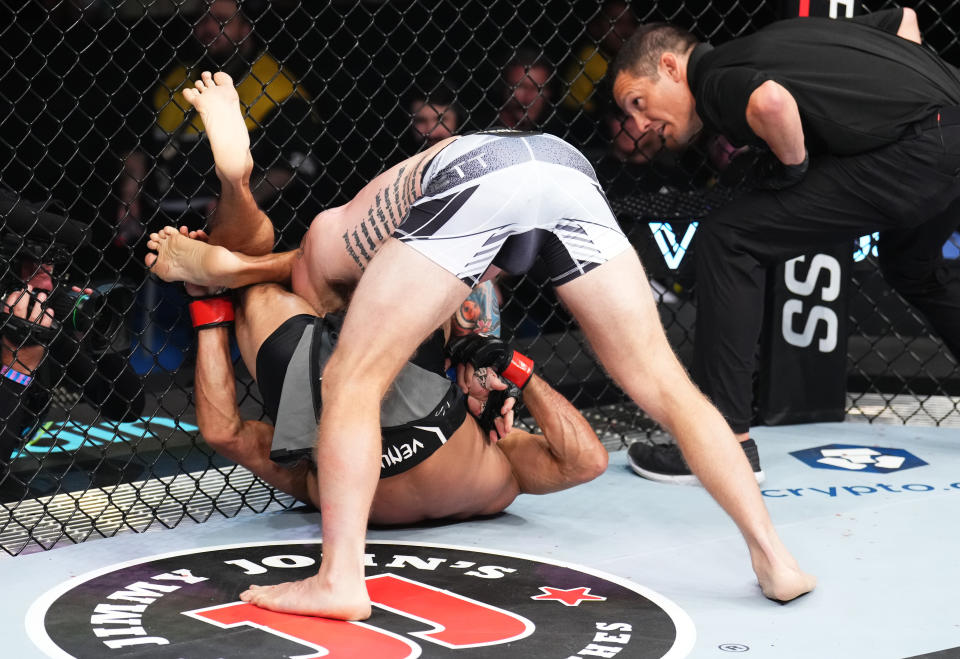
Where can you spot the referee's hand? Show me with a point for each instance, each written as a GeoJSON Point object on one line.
{"type": "Point", "coordinates": [769, 173]}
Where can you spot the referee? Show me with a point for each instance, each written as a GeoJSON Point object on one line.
{"type": "Point", "coordinates": [858, 125]}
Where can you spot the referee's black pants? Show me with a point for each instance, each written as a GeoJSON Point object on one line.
{"type": "Point", "coordinates": [909, 191]}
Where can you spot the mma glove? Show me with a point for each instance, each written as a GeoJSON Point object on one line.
{"type": "Point", "coordinates": [211, 311]}
{"type": "Point", "coordinates": [495, 402]}
{"type": "Point", "coordinates": [493, 353]}
{"type": "Point", "coordinates": [769, 173]}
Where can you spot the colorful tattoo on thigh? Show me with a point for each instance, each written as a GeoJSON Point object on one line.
{"type": "Point", "coordinates": [479, 313]}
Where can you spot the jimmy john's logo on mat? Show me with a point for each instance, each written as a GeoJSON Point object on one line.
{"type": "Point", "coordinates": [868, 459]}
{"type": "Point", "coordinates": [428, 601]}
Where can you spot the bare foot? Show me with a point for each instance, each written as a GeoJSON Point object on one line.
{"type": "Point", "coordinates": [783, 582]}
{"type": "Point", "coordinates": [217, 101]}
{"type": "Point", "coordinates": [310, 597]}
{"type": "Point", "coordinates": [179, 258]}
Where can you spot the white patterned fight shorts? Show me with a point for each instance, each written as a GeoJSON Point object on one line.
{"type": "Point", "coordinates": [503, 198]}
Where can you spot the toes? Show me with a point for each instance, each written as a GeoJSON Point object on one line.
{"type": "Point", "coordinates": [190, 95]}
{"type": "Point", "coordinates": [221, 78]}
{"type": "Point", "coordinates": [207, 78]}
{"type": "Point", "coordinates": [150, 259]}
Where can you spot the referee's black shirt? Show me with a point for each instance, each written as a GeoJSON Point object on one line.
{"type": "Point", "coordinates": [857, 84]}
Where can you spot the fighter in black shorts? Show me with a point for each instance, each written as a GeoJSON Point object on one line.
{"type": "Point", "coordinates": [418, 415]}
{"type": "Point", "coordinates": [437, 461]}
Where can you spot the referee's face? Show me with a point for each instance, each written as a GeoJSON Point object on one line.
{"type": "Point", "coordinates": [664, 106]}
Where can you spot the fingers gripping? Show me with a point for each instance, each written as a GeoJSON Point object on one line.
{"type": "Point", "coordinates": [490, 352]}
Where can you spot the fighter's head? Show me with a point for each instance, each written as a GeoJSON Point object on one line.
{"type": "Point", "coordinates": [650, 83]}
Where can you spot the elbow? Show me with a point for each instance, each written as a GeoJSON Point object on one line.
{"type": "Point", "coordinates": [909, 26]}
{"type": "Point", "coordinates": [599, 459]}
{"type": "Point", "coordinates": [768, 101]}
{"type": "Point", "coordinates": [592, 461]}
{"type": "Point", "coordinates": [221, 440]}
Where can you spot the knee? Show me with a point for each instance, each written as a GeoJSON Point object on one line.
{"type": "Point", "coordinates": [256, 295]}
{"type": "Point", "coordinates": [263, 240]}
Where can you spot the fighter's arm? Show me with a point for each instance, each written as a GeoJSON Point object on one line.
{"type": "Point", "coordinates": [568, 452]}
{"type": "Point", "coordinates": [774, 117]}
{"type": "Point", "coordinates": [242, 441]}
{"type": "Point", "coordinates": [899, 21]}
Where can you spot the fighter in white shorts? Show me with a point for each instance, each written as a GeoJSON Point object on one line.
{"type": "Point", "coordinates": [506, 198]}
{"type": "Point", "coordinates": [407, 290]}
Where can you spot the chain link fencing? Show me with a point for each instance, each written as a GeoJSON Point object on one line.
{"type": "Point", "coordinates": [93, 129]}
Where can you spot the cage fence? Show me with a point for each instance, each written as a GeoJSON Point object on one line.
{"type": "Point", "coordinates": [95, 130]}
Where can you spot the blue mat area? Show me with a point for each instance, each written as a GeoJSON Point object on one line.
{"type": "Point", "coordinates": [870, 510]}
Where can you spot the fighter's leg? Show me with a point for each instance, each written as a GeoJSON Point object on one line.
{"type": "Point", "coordinates": [250, 230]}
{"type": "Point", "coordinates": [416, 296]}
{"type": "Point", "coordinates": [179, 258]}
{"type": "Point", "coordinates": [614, 307]}
{"type": "Point", "coordinates": [218, 105]}
{"type": "Point", "coordinates": [260, 310]}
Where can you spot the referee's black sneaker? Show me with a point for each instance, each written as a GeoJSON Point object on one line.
{"type": "Point", "coordinates": [664, 462]}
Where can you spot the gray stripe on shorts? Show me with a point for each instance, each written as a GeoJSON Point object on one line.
{"type": "Point", "coordinates": [296, 427]}
{"type": "Point", "coordinates": [415, 393]}
{"type": "Point", "coordinates": [503, 153]}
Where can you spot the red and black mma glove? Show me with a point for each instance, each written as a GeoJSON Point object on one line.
{"type": "Point", "coordinates": [490, 352]}
{"type": "Point", "coordinates": [212, 311]}
{"type": "Point", "coordinates": [513, 368]}
{"type": "Point", "coordinates": [495, 402]}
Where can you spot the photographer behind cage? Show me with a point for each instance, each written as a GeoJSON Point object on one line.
{"type": "Point", "coordinates": [53, 334]}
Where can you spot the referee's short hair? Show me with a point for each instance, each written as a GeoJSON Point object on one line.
{"type": "Point", "coordinates": [640, 54]}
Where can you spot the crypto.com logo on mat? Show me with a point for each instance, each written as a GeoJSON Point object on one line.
{"type": "Point", "coordinates": [850, 457]}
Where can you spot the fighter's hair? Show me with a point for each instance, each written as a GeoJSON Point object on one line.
{"type": "Point", "coordinates": [640, 54]}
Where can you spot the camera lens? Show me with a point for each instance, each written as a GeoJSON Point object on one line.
{"type": "Point", "coordinates": [94, 317]}
{"type": "Point", "coordinates": [75, 310]}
